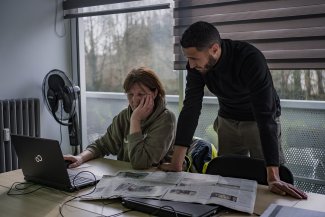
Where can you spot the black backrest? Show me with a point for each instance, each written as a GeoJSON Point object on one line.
{"type": "Point", "coordinates": [246, 168]}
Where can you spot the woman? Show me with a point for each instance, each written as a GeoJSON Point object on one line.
{"type": "Point", "coordinates": [141, 134]}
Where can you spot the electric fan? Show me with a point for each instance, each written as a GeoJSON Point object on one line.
{"type": "Point", "coordinates": [60, 97]}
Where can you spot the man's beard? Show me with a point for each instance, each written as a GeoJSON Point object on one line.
{"type": "Point", "coordinates": [211, 63]}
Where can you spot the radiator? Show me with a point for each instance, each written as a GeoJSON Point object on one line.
{"type": "Point", "coordinates": [17, 116]}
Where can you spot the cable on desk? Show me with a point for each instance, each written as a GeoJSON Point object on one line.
{"type": "Point", "coordinates": [73, 183]}
{"type": "Point", "coordinates": [20, 186]}
{"type": "Point", "coordinates": [107, 203]}
{"type": "Point", "coordinates": [116, 214]}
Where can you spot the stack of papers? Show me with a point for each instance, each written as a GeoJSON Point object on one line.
{"type": "Point", "coordinates": [234, 193]}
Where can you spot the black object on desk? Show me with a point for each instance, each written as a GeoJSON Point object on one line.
{"type": "Point", "coordinates": [245, 167]}
{"type": "Point", "coordinates": [167, 208]}
{"type": "Point", "coordinates": [42, 162]}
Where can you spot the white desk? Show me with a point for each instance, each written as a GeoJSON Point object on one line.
{"type": "Point", "coordinates": [46, 201]}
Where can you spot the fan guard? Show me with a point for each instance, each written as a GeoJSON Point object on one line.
{"type": "Point", "coordinates": [60, 97]}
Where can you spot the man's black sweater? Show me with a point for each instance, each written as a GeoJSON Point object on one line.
{"type": "Point", "coordinates": [243, 84]}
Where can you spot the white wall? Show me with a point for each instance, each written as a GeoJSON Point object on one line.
{"type": "Point", "coordinates": [29, 49]}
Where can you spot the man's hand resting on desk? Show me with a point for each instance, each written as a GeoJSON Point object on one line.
{"type": "Point", "coordinates": [169, 167]}
{"type": "Point", "coordinates": [176, 164]}
{"type": "Point", "coordinates": [282, 188]}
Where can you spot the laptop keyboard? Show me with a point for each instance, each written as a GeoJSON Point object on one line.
{"type": "Point", "coordinates": [78, 180]}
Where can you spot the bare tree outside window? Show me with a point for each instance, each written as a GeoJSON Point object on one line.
{"type": "Point", "coordinates": [114, 44]}
{"type": "Point", "coordinates": [297, 84]}
{"type": "Point", "coordinates": [300, 84]}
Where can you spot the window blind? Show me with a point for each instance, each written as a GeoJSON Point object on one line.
{"type": "Point", "coordinates": [290, 33]}
{"type": "Point", "coordinates": [87, 8]}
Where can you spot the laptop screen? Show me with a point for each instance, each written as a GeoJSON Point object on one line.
{"type": "Point", "coordinates": [42, 162]}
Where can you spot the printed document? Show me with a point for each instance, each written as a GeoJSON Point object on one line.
{"type": "Point", "coordinates": [234, 193]}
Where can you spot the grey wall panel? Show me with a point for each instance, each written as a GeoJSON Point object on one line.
{"type": "Point", "coordinates": [33, 42]}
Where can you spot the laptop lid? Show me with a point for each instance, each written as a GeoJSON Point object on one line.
{"type": "Point", "coordinates": [168, 208]}
{"type": "Point", "coordinates": [41, 161]}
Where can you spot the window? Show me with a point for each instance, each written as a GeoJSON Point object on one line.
{"type": "Point", "coordinates": [297, 84]}
{"type": "Point", "coordinates": [300, 84]}
{"type": "Point", "coordinates": [114, 44]}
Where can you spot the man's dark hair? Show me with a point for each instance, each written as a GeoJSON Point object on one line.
{"type": "Point", "coordinates": [200, 35]}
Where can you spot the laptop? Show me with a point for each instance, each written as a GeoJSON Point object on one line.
{"type": "Point", "coordinates": [41, 161]}
{"type": "Point", "coordinates": [167, 208]}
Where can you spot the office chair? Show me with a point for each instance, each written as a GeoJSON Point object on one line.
{"type": "Point", "coordinates": [244, 167]}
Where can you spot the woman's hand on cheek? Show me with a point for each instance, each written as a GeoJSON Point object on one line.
{"type": "Point", "coordinates": [144, 108]}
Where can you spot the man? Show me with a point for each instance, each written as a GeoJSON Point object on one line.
{"type": "Point", "coordinates": [248, 119]}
